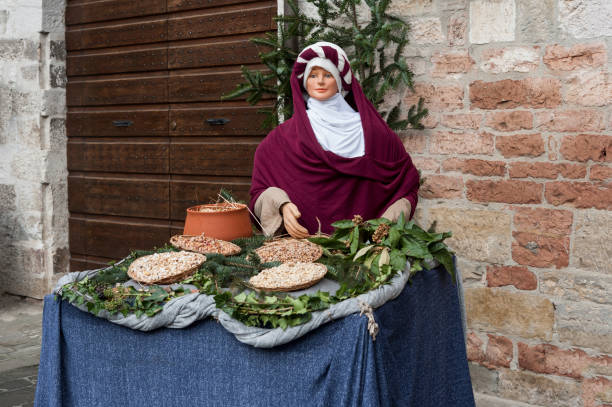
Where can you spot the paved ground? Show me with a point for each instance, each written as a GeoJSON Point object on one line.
{"type": "Point", "coordinates": [20, 334]}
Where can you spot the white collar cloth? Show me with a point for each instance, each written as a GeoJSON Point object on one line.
{"type": "Point", "coordinates": [337, 126]}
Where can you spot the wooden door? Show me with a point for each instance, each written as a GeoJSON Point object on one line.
{"type": "Point", "coordinates": [144, 84]}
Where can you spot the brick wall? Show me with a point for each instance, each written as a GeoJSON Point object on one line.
{"type": "Point", "coordinates": [517, 160]}
{"type": "Point", "coordinates": [33, 198]}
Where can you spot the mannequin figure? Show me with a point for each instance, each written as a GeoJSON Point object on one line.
{"type": "Point", "coordinates": [353, 154]}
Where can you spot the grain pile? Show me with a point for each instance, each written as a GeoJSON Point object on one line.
{"type": "Point", "coordinates": [204, 244]}
{"type": "Point", "coordinates": [289, 277]}
{"type": "Point", "coordinates": [165, 268]}
{"type": "Point", "coordinates": [289, 250]}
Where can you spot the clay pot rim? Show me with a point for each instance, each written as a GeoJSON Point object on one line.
{"type": "Point", "coordinates": [195, 209]}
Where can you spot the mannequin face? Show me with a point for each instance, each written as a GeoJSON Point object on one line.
{"type": "Point", "coordinates": [321, 84]}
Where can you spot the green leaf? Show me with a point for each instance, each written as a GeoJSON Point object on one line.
{"type": "Point", "coordinates": [384, 257]}
{"type": "Point", "coordinates": [355, 240]}
{"type": "Point", "coordinates": [446, 259]}
{"type": "Point", "coordinates": [343, 224]}
{"type": "Point", "coordinates": [398, 260]}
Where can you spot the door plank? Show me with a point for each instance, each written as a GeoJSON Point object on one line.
{"type": "Point", "coordinates": [118, 60]}
{"type": "Point", "coordinates": [180, 5]}
{"type": "Point", "coordinates": [214, 158]}
{"type": "Point", "coordinates": [113, 34]}
{"type": "Point", "coordinates": [115, 238]}
{"type": "Point", "coordinates": [192, 121]}
{"type": "Point", "coordinates": [206, 24]}
{"type": "Point", "coordinates": [86, 12]}
{"type": "Point", "coordinates": [119, 195]}
{"type": "Point", "coordinates": [104, 123]}
{"type": "Point", "coordinates": [234, 52]}
{"type": "Point", "coordinates": [150, 157]}
{"type": "Point", "coordinates": [118, 91]}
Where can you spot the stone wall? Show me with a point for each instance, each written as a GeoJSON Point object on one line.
{"type": "Point", "coordinates": [33, 175]}
{"type": "Point", "coordinates": [517, 161]}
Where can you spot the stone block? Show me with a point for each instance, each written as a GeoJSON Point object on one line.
{"type": "Point", "coordinates": [57, 50]}
{"type": "Point", "coordinates": [414, 141]}
{"type": "Point", "coordinates": [18, 49]}
{"type": "Point", "coordinates": [481, 168]}
{"type": "Point", "coordinates": [462, 120]}
{"type": "Point", "coordinates": [585, 18]}
{"type": "Point", "coordinates": [26, 165]}
{"type": "Point", "coordinates": [591, 248]}
{"type": "Point", "coordinates": [457, 29]}
{"type": "Point", "coordinates": [505, 191]}
{"type": "Point", "coordinates": [29, 73]}
{"type": "Point", "coordinates": [536, 93]}
{"type": "Point", "coordinates": [585, 324]}
{"type": "Point", "coordinates": [533, 170]}
{"type": "Point", "coordinates": [477, 234]}
{"type": "Point", "coordinates": [441, 186]}
{"type": "Point", "coordinates": [579, 194]}
{"type": "Point", "coordinates": [510, 59]}
{"type": "Point", "coordinates": [492, 21]}
{"type": "Point", "coordinates": [597, 392]}
{"type": "Point", "coordinates": [520, 145]}
{"type": "Point", "coordinates": [538, 250]}
{"type": "Point", "coordinates": [538, 389]}
{"type": "Point", "coordinates": [426, 164]}
{"type": "Point", "coordinates": [461, 143]}
{"type": "Point", "coordinates": [54, 102]}
{"type": "Point", "coordinates": [499, 351]}
{"type": "Point", "coordinates": [438, 98]}
{"type": "Point", "coordinates": [57, 134]}
{"type": "Point", "coordinates": [475, 348]}
{"type": "Point", "coordinates": [601, 173]}
{"type": "Point", "coordinates": [7, 198]}
{"type": "Point", "coordinates": [57, 75]}
{"type": "Point", "coordinates": [483, 380]}
{"type": "Point", "coordinates": [484, 400]}
{"type": "Point", "coordinates": [573, 120]}
{"type": "Point", "coordinates": [61, 260]}
{"type": "Point", "coordinates": [29, 196]}
{"type": "Point", "coordinates": [451, 63]}
{"type": "Point", "coordinates": [589, 89]}
{"type": "Point", "coordinates": [23, 271]}
{"type": "Point", "coordinates": [535, 20]}
{"type": "Point", "coordinates": [406, 8]}
{"type": "Point", "coordinates": [510, 121]}
{"type": "Point", "coordinates": [579, 56]}
{"type": "Point", "coordinates": [577, 286]}
{"type": "Point", "coordinates": [426, 30]}
{"type": "Point", "coordinates": [518, 276]}
{"type": "Point", "coordinates": [585, 147]}
{"type": "Point", "coordinates": [512, 313]}
{"type": "Point", "coordinates": [471, 271]}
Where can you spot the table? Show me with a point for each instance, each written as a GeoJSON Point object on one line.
{"type": "Point", "coordinates": [418, 359]}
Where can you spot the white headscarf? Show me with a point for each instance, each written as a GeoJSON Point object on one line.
{"type": "Point", "coordinates": [337, 126]}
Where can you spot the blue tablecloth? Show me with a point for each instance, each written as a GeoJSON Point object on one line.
{"type": "Point", "coordinates": [418, 359]}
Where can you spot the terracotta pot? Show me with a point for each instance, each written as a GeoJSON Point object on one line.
{"type": "Point", "coordinates": [231, 221]}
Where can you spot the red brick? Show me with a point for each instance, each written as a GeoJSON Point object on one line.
{"type": "Point", "coordinates": [560, 58]}
{"type": "Point", "coordinates": [461, 143]}
{"type": "Point", "coordinates": [441, 186]}
{"type": "Point", "coordinates": [437, 98]}
{"type": "Point", "coordinates": [594, 390]}
{"type": "Point", "coordinates": [572, 171]}
{"type": "Point", "coordinates": [462, 120]}
{"type": "Point", "coordinates": [591, 88]}
{"type": "Point", "coordinates": [475, 352]}
{"type": "Point", "coordinates": [508, 93]}
{"type": "Point", "coordinates": [601, 172]}
{"type": "Point", "coordinates": [519, 192]}
{"type": "Point", "coordinates": [542, 237]}
{"type": "Point", "coordinates": [585, 147]}
{"type": "Point", "coordinates": [477, 167]}
{"type": "Point", "coordinates": [534, 170]}
{"type": "Point", "coordinates": [426, 164]}
{"type": "Point", "coordinates": [553, 148]}
{"type": "Point", "coordinates": [457, 29]}
{"type": "Point", "coordinates": [518, 276]}
{"type": "Point", "coordinates": [548, 222]}
{"type": "Point", "coordinates": [579, 194]}
{"type": "Point", "coordinates": [453, 164]}
{"type": "Point", "coordinates": [510, 121]}
{"type": "Point", "coordinates": [518, 145]}
{"type": "Point", "coordinates": [454, 62]}
{"type": "Point", "coordinates": [414, 142]}
{"type": "Point", "coordinates": [546, 170]}
{"type": "Point", "coordinates": [570, 120]}
{"type": "Point", "coordinates": [549, 359]}
{"type": "Point", "coordinates": [499, 352]}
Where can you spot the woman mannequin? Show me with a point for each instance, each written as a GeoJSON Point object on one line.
{"type": "Point", "coordinates": [330, 162]}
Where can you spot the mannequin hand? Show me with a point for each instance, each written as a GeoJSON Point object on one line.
{"type": "Point", "coordinates": [290, 217]}
{"type": "Point", "coordinates": [393, 212]}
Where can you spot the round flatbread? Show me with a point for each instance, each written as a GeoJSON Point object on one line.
{"type": "Point", "coordinates": [289, 277]}
{"type": "Point", "coordinates": [165, 268]}
{"type": "Point", "coordinates": [289, 250]}
{"type": "Point", "coordinates": [204, 244]}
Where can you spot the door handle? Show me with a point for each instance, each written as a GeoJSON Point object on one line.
{"type": "Point", "coordinates": [216, 122]}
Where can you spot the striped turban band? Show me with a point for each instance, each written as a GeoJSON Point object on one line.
{"type": "Point", "coordinates": [328, 56]}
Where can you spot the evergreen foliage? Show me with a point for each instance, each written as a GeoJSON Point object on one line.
{"type": "Point", "coordinates": [374, 50]}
